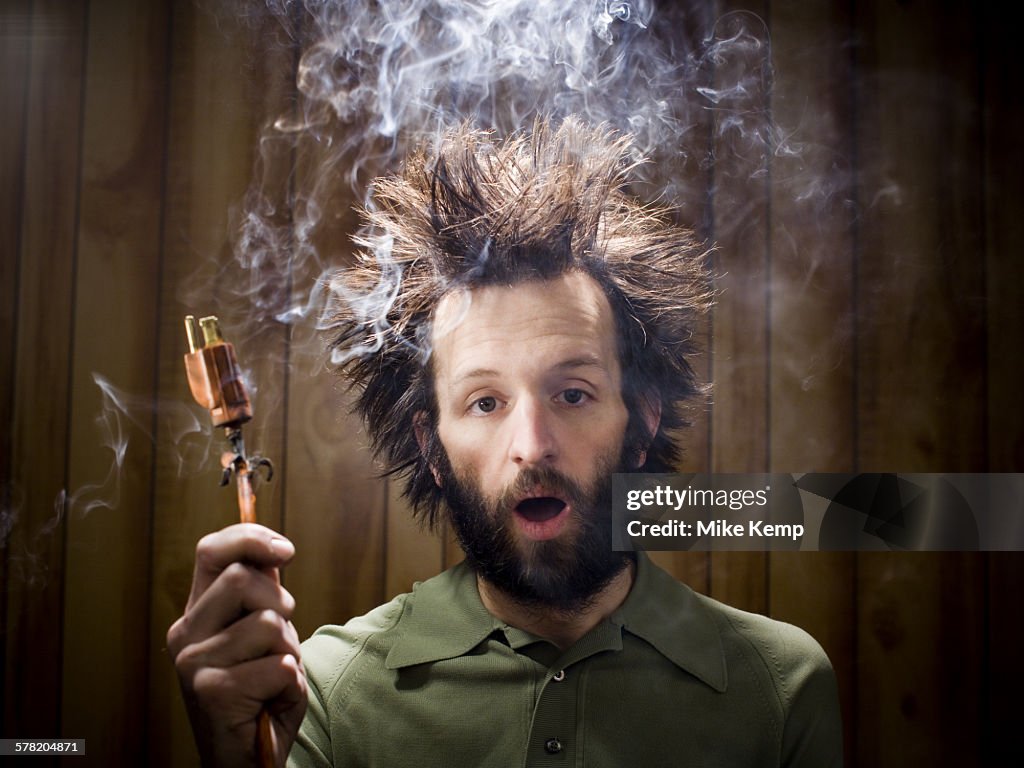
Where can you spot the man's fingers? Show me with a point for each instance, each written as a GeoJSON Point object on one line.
{"type": "Point", "coordinates": [234, 649]}
{"type": "Point", "coordinates": [238, 693]}
{"type": "Point", "coordinates": [244, 542]}
{"type": "Point", "coordinates": [259, 634]}
{"type": "Point", "coordinates": [238, 589]}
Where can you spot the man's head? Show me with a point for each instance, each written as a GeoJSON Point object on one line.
{"type": "Point", "coordinates": [473, 213]}
{"type": "Point", "coordinates": [539, 339]}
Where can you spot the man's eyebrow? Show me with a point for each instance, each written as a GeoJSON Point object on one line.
{"type": "Point", "coordinates": [587, 361]}
{"type": "Point", "coordinates": [476, 373]}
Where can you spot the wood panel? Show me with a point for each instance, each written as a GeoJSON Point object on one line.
{"type": "Point", "coordinates": [690, 29]}
{"type": "Point", "coordinates": [812, 422]}
{"type": "Point", "coordinates": [741, 216]}
{"type": "Point", "coordinates": [922, 286]}
{"type": "Point", "coordinates": [921, 373]}
{"type": "Point", "coordinates": [42, 370]}
{"type": "Point", "coordinates": [218, 99]}
{"type": "Point", "coordinates": [337, 506]}
{"type": "Point", "coordinates": [1000, 741]}
{"type": "Point", "coordinates": [920, 647]}
{"type": "Point", "coordinates": [413, 554]}
{"type": "Point", "coordinates": [108, 532]}
{"type": "Point", "coordinates": [1004, 232]}
{"type": "Point", "coordinates": [891, 346]}
{"type": "Point", "coordinates": [1002, 162]}
{"type": "Point", "coordinates": [15, 50]}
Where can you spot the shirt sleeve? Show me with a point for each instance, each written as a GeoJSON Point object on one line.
{"type": "Point", "coordinates": [327, 655]}
{"type": "Point", "coordinates": [813, 729]}
{"type": "Point", "coordinates": [312, 747]}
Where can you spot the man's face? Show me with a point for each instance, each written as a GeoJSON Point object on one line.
{"type": "Point", "coordinates": [532, 421]}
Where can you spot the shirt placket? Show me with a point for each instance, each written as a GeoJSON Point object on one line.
{"type": "Point", "coordinates": [553, 733]}
{"type": "Point", "coordinates": [556, 731]}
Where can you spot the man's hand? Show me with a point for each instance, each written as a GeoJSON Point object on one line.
{"type": "Point", "coordinates": [235, 649]}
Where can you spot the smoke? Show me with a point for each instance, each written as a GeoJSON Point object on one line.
{"type": "Point", "coordinates": [377, 77]}
{"type": "Point", "coordinates": [185, 434]}
{"type": "Point", "coordinates": [186, 440]}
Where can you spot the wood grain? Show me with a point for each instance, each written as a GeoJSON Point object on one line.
{"type": "Point", "coordinates": [116, 298]}
{"type": "Point", "coordinates": [1004, 232]}
{"type": "Point", "coordinates": [741, 220]}
{"type": "Point", "coordinates": [812, 421]}
{"type": "Point", "coordinates": [337, 507]}
{"type": "Point", "coordinates": [413, 553]}
{"type": "Point", "coordinates": [15, 52]}
{"type": "Point", "coordinates": [39, 431]}
{"type": "Point", "coordinates": [693, 175]}
{"type": "Point", "coordinates": [921, 374]}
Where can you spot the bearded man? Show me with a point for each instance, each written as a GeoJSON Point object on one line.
{"type": "Point", "coordinates": [538, 343]}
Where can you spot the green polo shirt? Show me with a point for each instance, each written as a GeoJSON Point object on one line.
{"type": "Point", "coordinates": [671, 678]}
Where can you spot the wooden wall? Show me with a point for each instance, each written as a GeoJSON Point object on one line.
{"type": "Point", "coordinates": [878, 330]}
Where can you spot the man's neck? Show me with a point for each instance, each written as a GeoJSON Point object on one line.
{"type": "Point", "coordinates": [561, 628]}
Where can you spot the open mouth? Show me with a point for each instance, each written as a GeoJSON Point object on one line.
{"type": "Point", "coordinates": [539, 509]}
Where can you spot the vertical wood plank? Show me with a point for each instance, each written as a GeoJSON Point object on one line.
{"type": "Point", "coordinates": [1000, 740]}
{"type": "Point", "coordinates": [739, 433]}
{"type": "Point", "coordinates": [691, 173]}
{"type": "Point", "coordinates": [812, 280]}
{"type": "Point", "coordinates": [413, 553]}
{"type": "Point", "coordinates": [920, 649]}
{"type": "Point", "coordinates": [812, 418]}
{"type": "Point", "coordinates": [116, 296]}
{"type": "Point", "coordinates": [42, 370]}
{"type": "Point", "coordinates": [921, 372]}
{"type": "Point", "coordinates": [922, 286]}
{"type": "Point", "coordinates": [223, 86]}
{"type": "Point", "coordinates": [336, 508]}
{"type": "Point", "coordinates": [337, 505]}
{"type": "Point", "coordinates": [15, 50]}
{"type": "Point", "coordinates": [1004, 234]}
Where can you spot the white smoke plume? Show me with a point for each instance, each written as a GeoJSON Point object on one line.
{"type": "Point", "coordinates": [376, 77]}
{"type": "Point", "coordinates": [186, 437]}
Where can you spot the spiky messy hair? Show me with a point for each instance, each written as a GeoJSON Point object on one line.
{"type": "Point", "coordinates": [473, 211]}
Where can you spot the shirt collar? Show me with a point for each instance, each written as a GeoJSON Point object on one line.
{"type": "Point", "coordinates": [445, 618]}
{"type": "Point", "coordinates": [675, 621]}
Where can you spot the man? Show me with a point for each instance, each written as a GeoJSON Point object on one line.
{"type": "Point", "coordinates": [537, 344]}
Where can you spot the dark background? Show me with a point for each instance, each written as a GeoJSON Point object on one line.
{"type": "Point", "coordinates": [877, 328]}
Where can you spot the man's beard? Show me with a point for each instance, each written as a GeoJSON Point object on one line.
{"type": "Point", "coordinates": [565, 573]}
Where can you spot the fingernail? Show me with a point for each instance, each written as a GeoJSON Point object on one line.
{"type": "Point", "coordinates": [282, 548]}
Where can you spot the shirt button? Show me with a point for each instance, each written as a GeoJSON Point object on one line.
{"type": "Point", "coordinates": [559, 676]}
{"type": "Point", "coordinates": [553, 746]}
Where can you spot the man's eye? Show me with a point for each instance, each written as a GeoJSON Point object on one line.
{"type": "Point", "coordinates": [485, 405]}
{"type": "Point", "coordinates": [574, 396]}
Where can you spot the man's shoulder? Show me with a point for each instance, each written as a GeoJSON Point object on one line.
{"type": "Point", "coordinates": [337, 651]}
{"type": "Point", "coordinates": [783, 652]}
{"type": "Point", "coordinates": [330, 651]}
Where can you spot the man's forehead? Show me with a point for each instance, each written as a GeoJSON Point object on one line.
{"type": "Point", "coordinates": [566, 315]}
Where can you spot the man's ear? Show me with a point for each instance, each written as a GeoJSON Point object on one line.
{"type": "Point", "coordinates": [421, 426]}
{"type": "Point", "coordinates": [650, 412]}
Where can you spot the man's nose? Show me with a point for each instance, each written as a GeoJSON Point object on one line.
{"type": "Point", "coordinates": [533, 440]}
